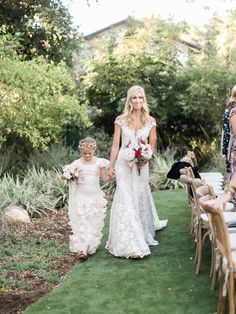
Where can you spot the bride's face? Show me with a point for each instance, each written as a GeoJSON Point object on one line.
{"type": "Point", "coordinates": [137, 100]}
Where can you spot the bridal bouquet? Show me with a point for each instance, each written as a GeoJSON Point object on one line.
{"type": "Point", "coordinates": [138, 151]}
{"type": "Point", "coordinates": [69, 173]}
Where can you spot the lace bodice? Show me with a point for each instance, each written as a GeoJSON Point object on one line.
{"type": "Point", "coordinates": [128, 134]}
{"type": "Point", "coordinates": [89, 173]}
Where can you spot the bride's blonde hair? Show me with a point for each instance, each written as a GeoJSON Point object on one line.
{"type": "Point", "coordinates": [129, 108]}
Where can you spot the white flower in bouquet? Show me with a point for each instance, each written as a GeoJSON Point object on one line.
{"type": "Point", "coordinates": [146, 151]}
{"type": "Point", "coordinates": [134, 144]}
{"type": "Point", "coordinates": [129, 153]}
{"type": "Point", "coordinates": [69, 173]}
{"type": "Point", "coordinates": [139, 151]}
{"type": "Point", "coordinates": [66, 172]}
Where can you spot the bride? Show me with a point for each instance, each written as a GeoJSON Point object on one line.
{"type": "Point", "coordinates": [133, 219]}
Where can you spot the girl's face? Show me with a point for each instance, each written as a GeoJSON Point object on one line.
{"type": "Point", "coordinates": [137, 101]}
{"type": "Point", "coordinates": [87, 153]}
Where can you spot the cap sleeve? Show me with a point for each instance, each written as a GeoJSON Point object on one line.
{"type": "Point", "coordinates": [103, 162]}
{"type": "Point", "coordinates": [120, 121]}
{"type": "Point", "coordinates": [153, 122]}
{"type": "Point", "coordinates": [74, 165]}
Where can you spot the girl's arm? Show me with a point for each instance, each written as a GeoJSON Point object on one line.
{"type": "Point", "coordinates": [115, 148]}
{"type": "Point", "coordinates": [104, 175]}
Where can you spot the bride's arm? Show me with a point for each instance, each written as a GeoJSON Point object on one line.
{"type": "Point", "coordinates": [153, 137]}
{"type": "Point", "coordinates": [115, 148]}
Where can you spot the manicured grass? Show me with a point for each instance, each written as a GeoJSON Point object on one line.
{"type": "Point", "coordinates": [163, 283]}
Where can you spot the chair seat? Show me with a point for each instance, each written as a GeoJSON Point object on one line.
{"type": "Point", "coordinates": [232, 238]}
{"type": "Point", "coordinates": [215, 182]}
{"type": "Point", "coordinates": [210, 180]}
{"type": "Point", "coordinates": [229, 207]}
{"type": "Point", "coordinates": [219, 174]}
{"type": "Point", "coordinates": [229, 216]}
{"type": "Point", "coordinates": [218, 192]}
{"type": "Point", "coordinates": [234, 261]}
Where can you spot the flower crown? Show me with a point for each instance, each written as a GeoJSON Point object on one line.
{"type": "Point", "coordinates": [88, 145]}
{"type": "Point", "coordinates": [87, 142]}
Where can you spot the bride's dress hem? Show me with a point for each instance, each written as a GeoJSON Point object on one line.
{"type": "Point", "coordinates": [130, 255]}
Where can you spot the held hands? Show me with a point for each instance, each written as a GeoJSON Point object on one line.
{"type": "Point", "coordinates": [112, 173]}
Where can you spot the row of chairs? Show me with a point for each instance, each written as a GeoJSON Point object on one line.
{"type": "Point", "coordinates": [215, 224]}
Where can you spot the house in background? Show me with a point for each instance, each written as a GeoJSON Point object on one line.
{"type": "Point", "coordinates": [90, 41]}
{"type": "Point", "coordinates": [116, 30]}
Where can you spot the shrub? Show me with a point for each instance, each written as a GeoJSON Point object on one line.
{"type": "Point", "coordinates": [160, 166]}
{"type": "Point", "coordinates": [54, 158]}
{"type": "Point", "coordinates": [39, 191]}
{"type": "Point", "coordinates": [38, 102]}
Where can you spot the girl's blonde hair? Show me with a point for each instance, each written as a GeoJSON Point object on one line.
{"type": "Point", "coordinates": [129, 108]}
{"type": "Point", "coordinates": [87, 142]}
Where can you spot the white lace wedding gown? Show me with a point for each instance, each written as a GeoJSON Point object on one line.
{"type": "Point", "coordinates": [134, 218]}
{"type": "Point", "coordinates": [87, 207]}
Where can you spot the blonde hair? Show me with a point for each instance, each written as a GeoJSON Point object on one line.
{"type": "Point", "coordinates": [87, 142]}
{"type": "Point", "coordinates": [232, 99]}
{"type": "Point", "coordinates": [233, 94]}
{"type": "Point", "coordinates": [129, 108]}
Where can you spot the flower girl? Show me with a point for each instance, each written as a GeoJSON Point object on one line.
{"type": "Point", "coordinates": [87, 205]}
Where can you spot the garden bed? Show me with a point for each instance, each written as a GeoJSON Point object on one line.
{"type": "Point", "coordinates": [34, 261]}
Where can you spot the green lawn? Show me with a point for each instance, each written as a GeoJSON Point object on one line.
{"type": "Point", "coordinates": [162, 283]}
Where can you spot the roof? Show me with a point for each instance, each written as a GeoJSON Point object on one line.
{"type": "Point", "coordinates": [111, 26]}
{"type": "Point", "coordinates": [192, 45]}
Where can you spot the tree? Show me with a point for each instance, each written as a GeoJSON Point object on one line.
{"type": "Point", "coordinates": [44, 28]}
{"type": "Point", "coordinates": [38, 101]}
{"type": "Point", "coordinates": [186, 91]}
{"type": "Point", "coordinates": [148, 54]}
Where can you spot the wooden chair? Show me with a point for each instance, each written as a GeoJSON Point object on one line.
{"type": "Point", "coordinates": [227, 259]}
{"type": "Point", "coordinates": [202, 228]}
{"type": "Point", "coordinates": [199, 225]}
{"type": "Point", "coordinates": [229, 217]}
{"type": "Point", "coordinates": [198, 192]}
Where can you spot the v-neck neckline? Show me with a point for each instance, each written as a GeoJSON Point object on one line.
{"type": "Point", "coordinates": [135, 132]}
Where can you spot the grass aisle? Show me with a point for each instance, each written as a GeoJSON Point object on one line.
{"type": "Point", "coordinates": [163, 283]}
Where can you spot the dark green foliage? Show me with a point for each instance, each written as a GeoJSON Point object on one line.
{"type": "Point", "coordinates": [187, 89]}
{"type": "Point", "coordinates": [38, 101]}
{"type": "Point", "coordinates": [43, 27]}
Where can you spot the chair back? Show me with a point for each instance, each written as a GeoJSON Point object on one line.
{"type": "Point", "coordinates": [220, 232]}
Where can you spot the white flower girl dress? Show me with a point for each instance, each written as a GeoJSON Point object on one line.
{"type": "Point", "coordinates": [87, 206]}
